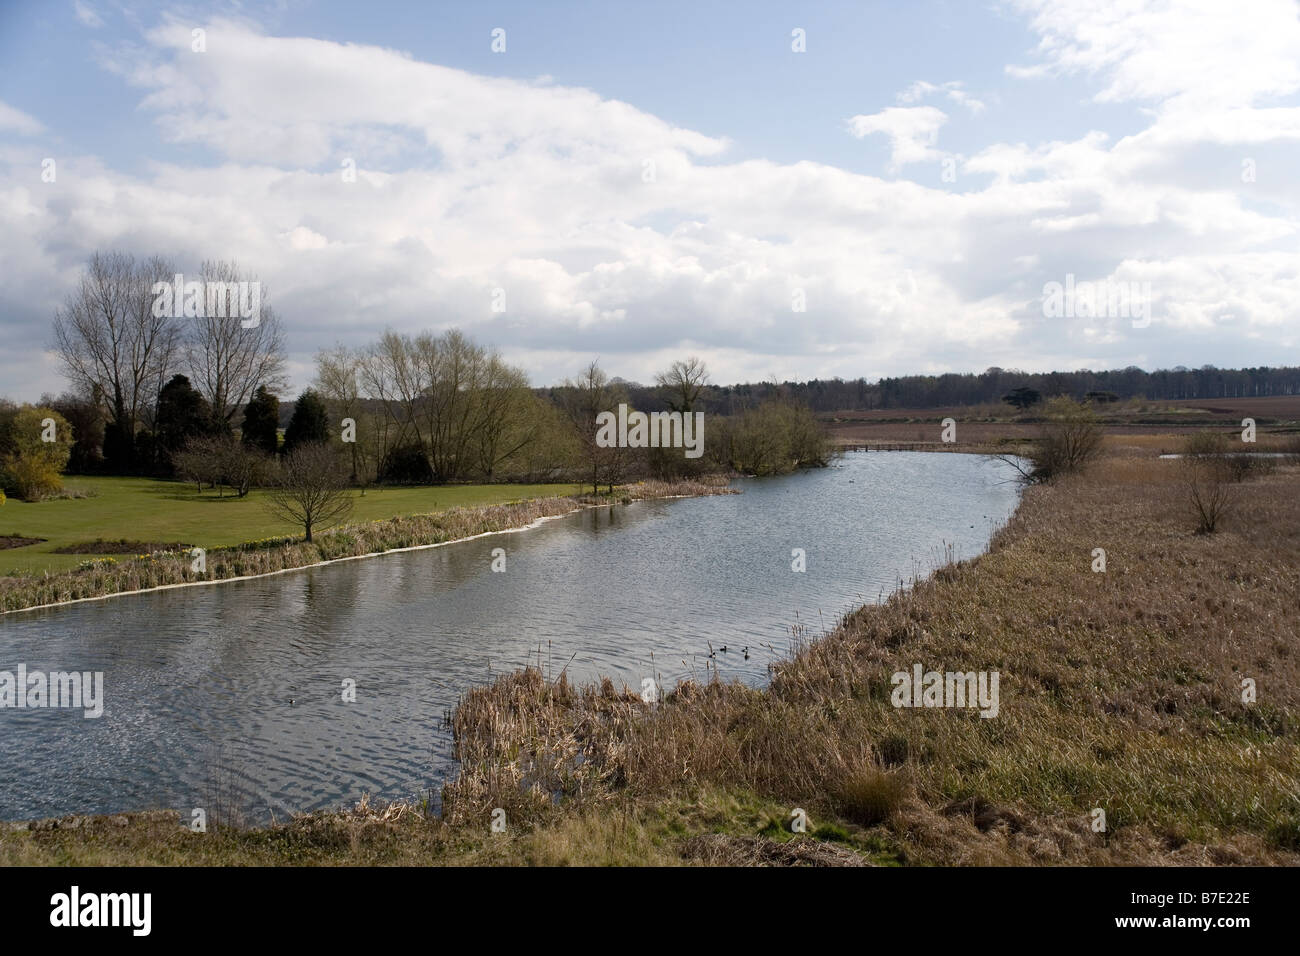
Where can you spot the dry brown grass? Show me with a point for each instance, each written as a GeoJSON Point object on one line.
{"type": "Point", "coordinates": [1153, 439]}
{"type": "Point", "coordinates": [721, 849]}
{"type": "Point", "coordinates": [1119, 690]}
{"type": "Point", "coordinates": [1158, 426]}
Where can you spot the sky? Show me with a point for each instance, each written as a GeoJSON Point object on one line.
{"type": "Point", "coordinates": [787, 191]}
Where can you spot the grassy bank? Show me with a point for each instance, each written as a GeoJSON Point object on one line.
{"type": "Point", "coordinates": [114, 575]}
{"type": "Point", "coordinates": [147, 510]}
{"type": "Point", "coordinates": [1119, 691]}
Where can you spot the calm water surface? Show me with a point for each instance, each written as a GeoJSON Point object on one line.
{"type": "Point", "coordinates": [198, 681]}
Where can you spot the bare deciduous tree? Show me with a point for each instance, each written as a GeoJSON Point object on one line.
{"type": "Point", "coordinates": [1071, 438]}
{"type": "Point", "coordinates": [389, 374]}
{"type": "Point", "coordinates": [242, 466]}
{"type": "Point", "coordinates": [199, 461]}
{"type": "Point", "coordinates": [583, 399]}
{"type": "Point", "coordinates": [508, 415]}
{"type": "Point", "coordinates": [1209, 472]}
{"type": "Point", "coordinates": [684, 381]}
{"type": "Point", "coordinates": [458, 403]}
{"type": "Point", "coordinates": [227, 360]}
{"type": "Point", "coordinates": [474, 406]}
{"type": "Point", "coordinates": [312, 489]}
{"type": "Point", "coordinates": [1209, 491]}
{"type": "Point", "coordinates": [452, 367]}
{"type": "Point", "coordinates": [113, 347]}
{"type": "Point", "coordinates": [223, 460]}
{"type": "Point", "coordinates": [338, 382]}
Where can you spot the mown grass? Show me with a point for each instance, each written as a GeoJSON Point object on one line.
{"type": "Point", "coordinates": [144, 509]}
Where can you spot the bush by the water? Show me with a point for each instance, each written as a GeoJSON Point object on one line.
{"type": "Point", "coordinates": [775, 438]}
{"type": "Point", "coordinates": [1070, 440]}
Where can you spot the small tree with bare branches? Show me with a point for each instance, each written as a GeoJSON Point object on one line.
{"type": "Point", "coordinates": [1209, 472]}
{"type": "Point", "coordinates": [683, 382]}
{"type": "Point", "coordinates": [312, 490]}
{"type": "Point", "coordinates": [1070, 440]}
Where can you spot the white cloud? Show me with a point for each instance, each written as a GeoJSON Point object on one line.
{"type": "Point", "coordinates": [913, 132]}
{"type": "Point", "coordinates": [297, 101]}
{"type": "Point", "coordinates": [86, 14]}
{"type": "Point", "coordinates": [952, 89]}
{"type": "Point", "coordinates": [13, 119]}
{"type": "Point", "coordinates": [1188, 54]}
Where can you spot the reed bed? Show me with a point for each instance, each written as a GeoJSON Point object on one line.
{"type": "Point", "coordinates": [1120, 691]}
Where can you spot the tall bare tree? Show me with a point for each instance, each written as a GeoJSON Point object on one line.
{"type": "Point", "coordinates": [338, 383]}
{"type": "Point", "coordinates": [114, 349]}
{"type": "Point", "coordinates": [228, 356]}
{"type": "Point", "coordinates": [683, 382]}
{"type": "Point", "coordinates": [582, 400]}
{"type": "Point", "coordinates": [390, 373]}
{"type": "Point", "coordinates": [473, 406]}
{"type": "Point", "coordinates": [453, 368]}
{"type": "Point", "coordinates": [508, 415]}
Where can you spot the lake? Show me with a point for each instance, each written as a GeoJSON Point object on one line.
{"type": "Point", "coordinates": [230, 696]}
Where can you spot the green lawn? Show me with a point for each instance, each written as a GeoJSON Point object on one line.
{"type": "Point", "coordinates": [141, 509]}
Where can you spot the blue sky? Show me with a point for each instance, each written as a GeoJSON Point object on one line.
{"type": "Point", "coordinates": [919, 174]}
{"type": "Point", "coordinates": [724, 69]}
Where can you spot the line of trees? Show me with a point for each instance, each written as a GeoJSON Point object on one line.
{"type": "Point", "coordinates": [436, 408]}
{"type": "Point", "coordinates": [988, 387]}
{"type": "Point", "coordinates": [197, 398]}
{"type": "Point", "coordinates": [772, 436]}
{"type": "Point", "coordinates": [135, 370]}
{"type": "Point", "coordinates": [442, 408]}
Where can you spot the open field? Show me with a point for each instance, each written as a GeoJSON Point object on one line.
{"type": "Point", "coordinates": [989, 427]}
{"type": "Point", "coordinates": [1120, 691]}
{"type": "Point", "coordinates": [1266, 409]}
{"type": "Point", "coordinates": [142, 509]}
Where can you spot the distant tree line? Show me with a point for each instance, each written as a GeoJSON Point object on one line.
{"type": "Point", "coordinates": [989, 387]}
